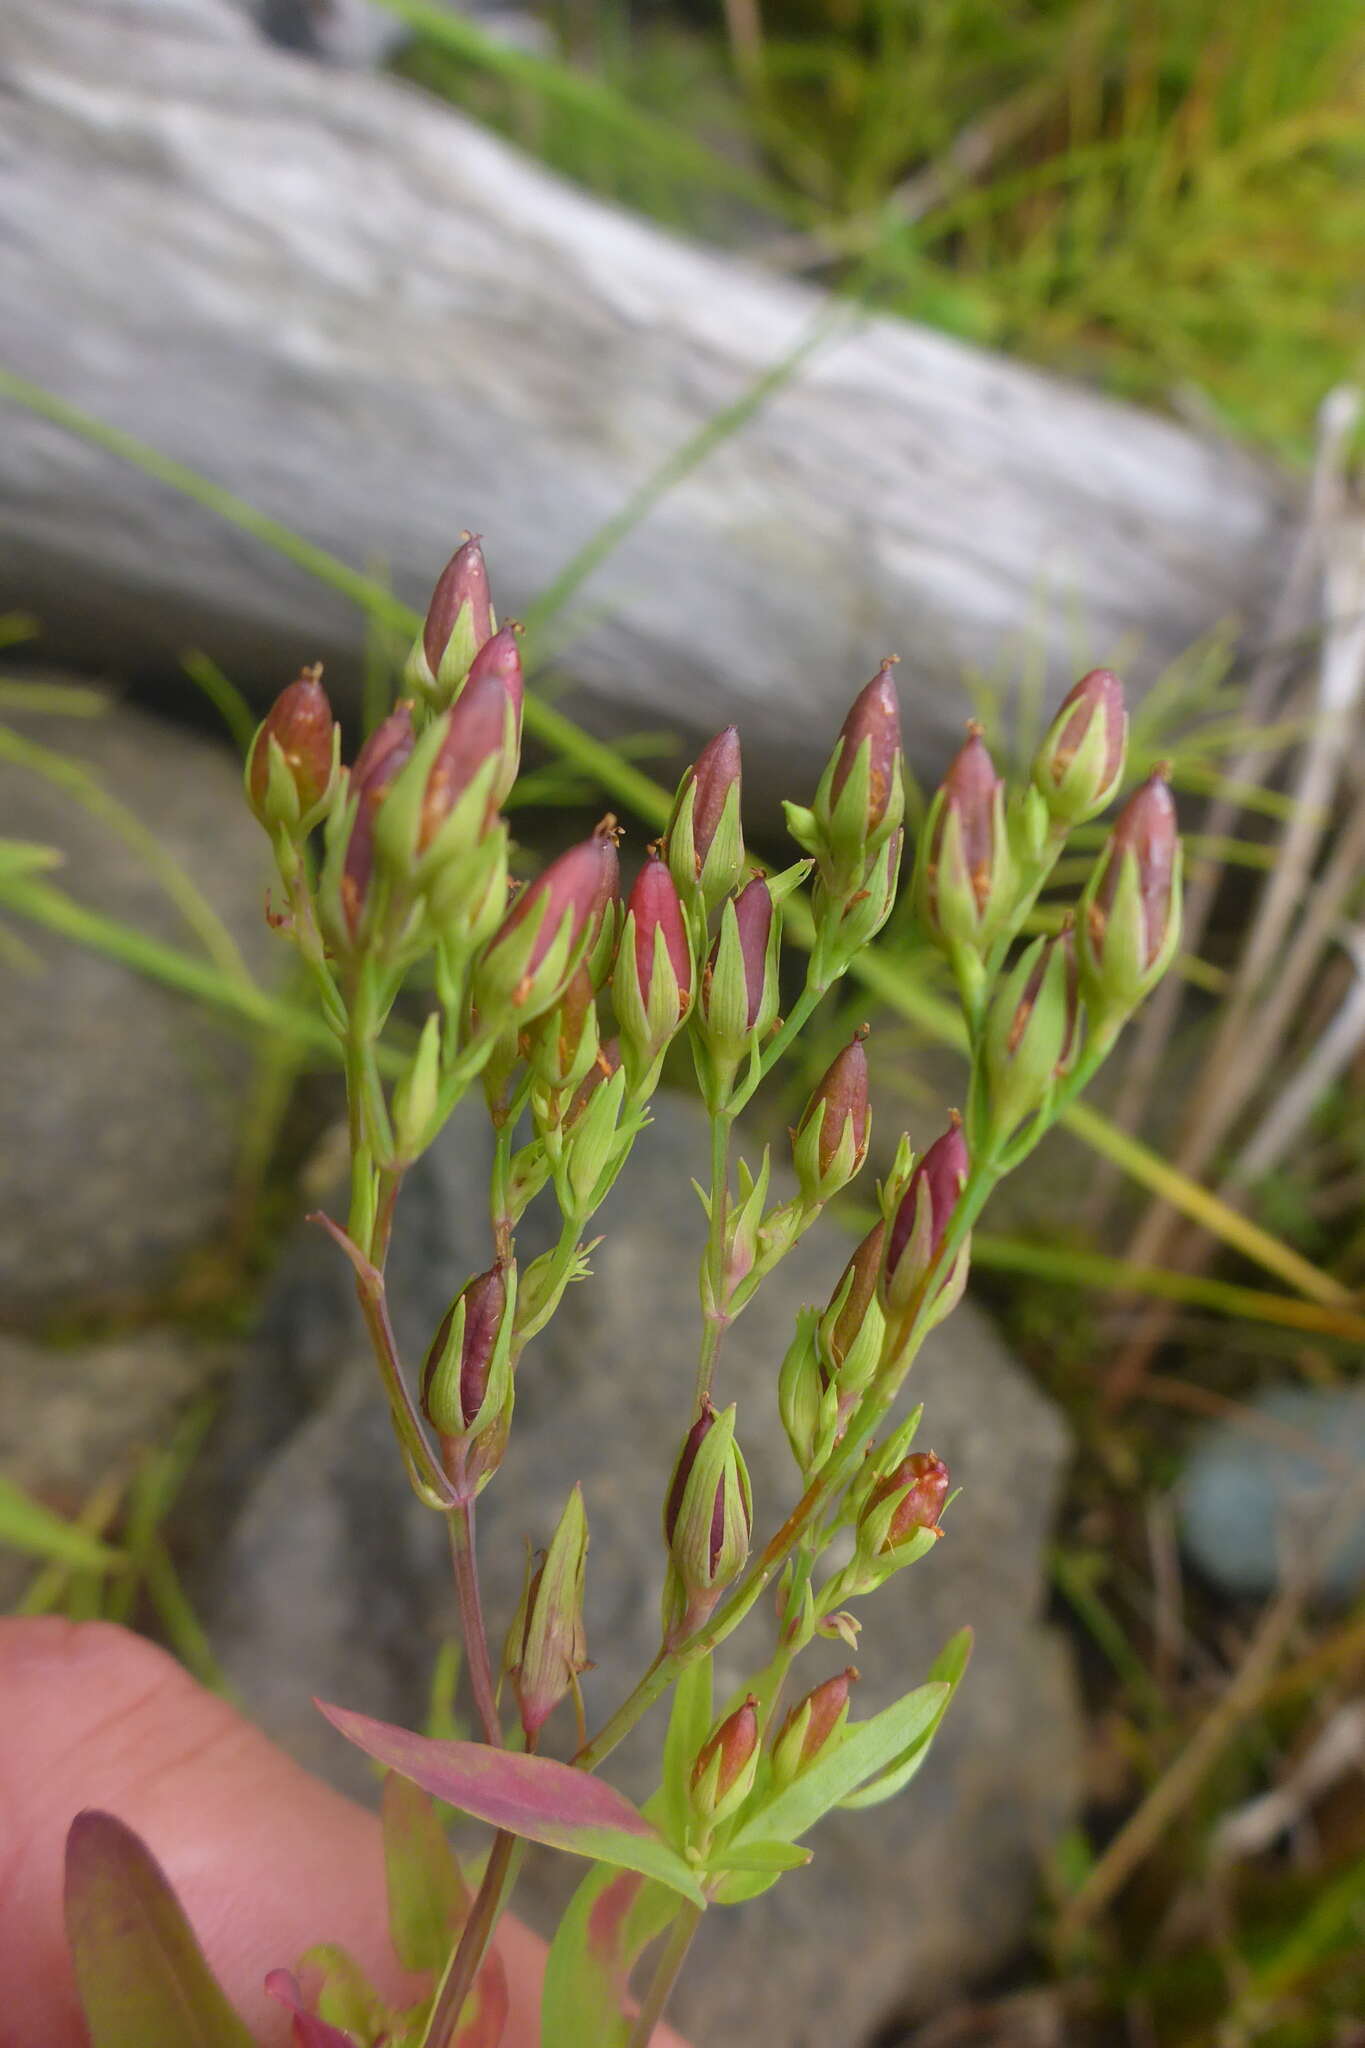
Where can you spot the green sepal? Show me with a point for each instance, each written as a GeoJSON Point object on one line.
{"type": "Point", "coordinates": [1024, 1052]}
{"type": "Point", "coordinates": [591, 1146]}
{"type": "Point", "coordinates": [742, 1874]}
{"type": "Point", "coordinates": [417, 1096]}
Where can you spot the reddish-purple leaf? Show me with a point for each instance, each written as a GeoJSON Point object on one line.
{"type": "Point", "coordinates": [140, 1974]}
{"type": "Point", "coordinates": [530, 1796]}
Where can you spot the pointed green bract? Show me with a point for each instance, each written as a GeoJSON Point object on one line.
{"type": "Point", "coordinates": [140, 1973]}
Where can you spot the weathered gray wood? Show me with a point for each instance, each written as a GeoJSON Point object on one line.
{"type": "Point", "coordinates": [378, 323]}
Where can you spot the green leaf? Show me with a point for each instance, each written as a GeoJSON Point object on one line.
{"type": "Point", "coordinates": [947, 1667]}
{"type": "Point", "coordinates": [609, 1922]}
{"type": "Point", "coordinates": [27, 857]}
{"type": "Point", "coordinates": [25, 1524]}
{"type": "Point", "coordinates": [689, 1724]}
{"type": "Point", "coordinates": [428, 1903]}
{"type": "Point", "coordinates": [140, 1974]}
{"type": "Point", "coordinates": [867, 1748]}
{"type": "Point", "coordinates": [530, 1796]}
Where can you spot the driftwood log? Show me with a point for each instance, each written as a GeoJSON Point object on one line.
{"type": "Point", "coordinates": [379, 324]}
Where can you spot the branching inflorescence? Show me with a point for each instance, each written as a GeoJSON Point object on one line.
{"type": "Point", "coordinates": [560, 1002]}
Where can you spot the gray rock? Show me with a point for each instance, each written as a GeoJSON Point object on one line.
{"type": "Point", "coordinates": [120, 1100]}
{"type": "Point", "coordinates": [71, 1418]}
{"type": "Point", "coordinates": [379, 324]}
{"type": "Point", "coordinates": [1255, 1495]}
{"type": "Point", "coordinates": [330, 1579]}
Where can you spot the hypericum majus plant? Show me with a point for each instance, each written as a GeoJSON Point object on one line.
{"type": "Point", "coordinates": [558, 1004]}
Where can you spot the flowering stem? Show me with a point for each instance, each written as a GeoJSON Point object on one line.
{"type": "Point", "coordinates": [902, 1346]}
{"type": "Point", "coordinates": [671, 1960]}
{"type": "Point", "coordinates": [465, 1562]}
{"type": "Point", "coordinates": [811, 996]}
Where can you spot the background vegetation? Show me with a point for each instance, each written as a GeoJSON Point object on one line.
{"type": "Point", "coordinates": [1166, 198]}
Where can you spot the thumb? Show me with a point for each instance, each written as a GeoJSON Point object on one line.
{"type": "Point", "coordinates": [265, 1859]}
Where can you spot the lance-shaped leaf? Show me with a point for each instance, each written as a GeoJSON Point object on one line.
{"type": "Point", "coordinates": [428, 1902]}
{"type": "Point", "coordinates": [140, 1974]}
{"type": "Point", "coordinates": [609, 1922]}
{"type": "Point", "coordinates": [688, 1723]}
{"type": "Point", "coordinates": [867, 1748]}
{"type": "Point", "coordinates": [530, 1796]}
{"type": "Point", "coordinates": [946, 1668]}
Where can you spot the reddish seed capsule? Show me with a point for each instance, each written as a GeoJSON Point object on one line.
{"type": "Point", "coordinates": [941, 1175]}
{"type": "Point", "coordinates": [922, 1482]}
{"type": "Point", "coordinates": [970, 788]}
{"type": "Point", "coordinates": [716, 773]}
{"type": "Point", "coordinates": [464, 580]}
{"type": "Point", "coordinates": [378, 762]}
{"type": "Point", "coordinates": [1146, 827]}
{"type": "Point", "coordinates": [658, 916]}
{"type": "Point", "coordinates": [812, 1721]}
{"type": "Point", "coordinates": [864, 1266]}
{"type": "Point", "coordinates": [730, 1749]}
{"type": "Point", "coordinates": [1098, 696]}
{"type": "Point", "coordinates": [300, 722]}
{"type": "Point", "coordinates": [485, 1304]}
{"type": "Point", "coordinates": [754, 916]}
{"type": "Point", "coordinates": [582, 881]}
{"type": "Point", "coordinates": [843, 1094]}
{"type": "Point", "coordinates": [477, 729]}
{"type": "Point", "coordinates": [500, 658]}
{"type": "Point", "coordinates": [687, 1458]}
{"type": "Point", "coordinates": [875, 716]}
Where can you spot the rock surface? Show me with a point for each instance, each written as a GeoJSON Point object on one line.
{"type": "Point", "coordinates": [72, 1419]}
{"type": "Point", "coordinates": [330, 1579]}
{"type": "Point", "coordinates": [121, 1100]}
{"type": "Point", "coordinates": [378, 324]}
{"type": "Point", "coordinates": [1255, 1494]}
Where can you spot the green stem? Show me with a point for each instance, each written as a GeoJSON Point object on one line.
{"type": "Point", "coordinates": [500, 1874]}
{"type": "Point", "coordinates": [903, 1340]}
{"type": "Point", "coordinates": [465, 1561]}
{"type": "Point", "coordinates": [671, 1959]}
{"type": "Point", "coordinates": [715, 1314]}
{"type": "Point", "coordinates": [809, 1000]}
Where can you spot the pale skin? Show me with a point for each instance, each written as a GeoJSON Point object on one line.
{"type": "Point", "coordinates": [265, 1858]}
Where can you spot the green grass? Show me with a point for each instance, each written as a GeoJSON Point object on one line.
{"type": "Point", "coordinates": [1173, 209]}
